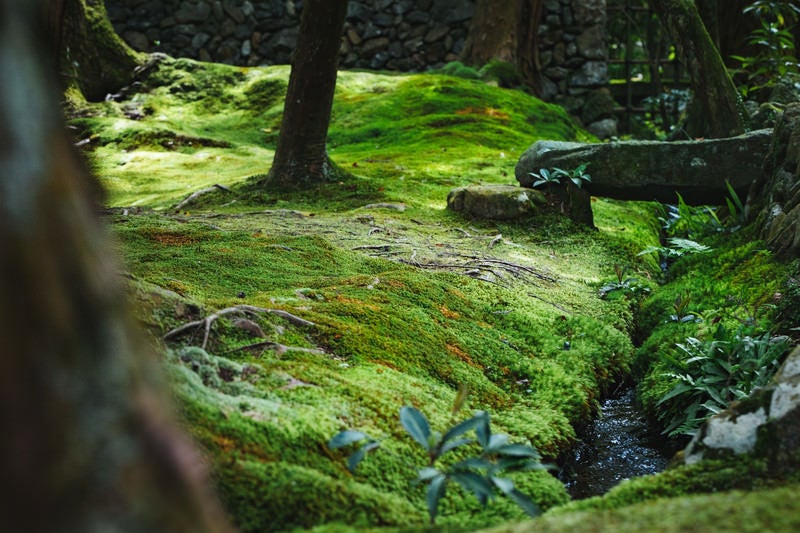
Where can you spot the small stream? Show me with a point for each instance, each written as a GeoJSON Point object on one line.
{"type": "Point", "coordinates": [615, 446]}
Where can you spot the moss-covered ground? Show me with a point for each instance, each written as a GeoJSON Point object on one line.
{"type": "Point", "coordinates": [405, 301]}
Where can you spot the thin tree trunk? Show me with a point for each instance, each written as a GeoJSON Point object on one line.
{"type": "Point", "coordinates": [87, 444]}
{"type": "Point", "coordinates": [301, 158]}
{"type": "Point", "coordinates": [717, 110]}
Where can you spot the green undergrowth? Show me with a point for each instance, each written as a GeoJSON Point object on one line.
{"type": "Point", "coordinates": [406, 302]}
{"type": "Point", "coordinates": [738, 285]}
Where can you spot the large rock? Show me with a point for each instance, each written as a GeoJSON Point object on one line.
{"type": "Point", "coordinates": [652, 170]}
{"type": "Point", "coordinates": [775, 199]}
{"type": "Point", "coordinates": [766, 424]}
{"type": "Point", "coordinates": [495, 202]}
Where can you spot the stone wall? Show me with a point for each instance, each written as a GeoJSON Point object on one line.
{"type": "Point", "coordinates": [401, 35]}
{"type": "Point", "coordinates": [405, 35]}
{"type": "Point", "coordinates": [573, 56]}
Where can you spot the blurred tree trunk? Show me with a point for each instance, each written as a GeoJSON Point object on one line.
{"type": "Point", "coordinates": [716, 110]}
{"type": "Point", "coordinates": [88, 444]}
{"type": "Point", "coordinates": [91, 56]}
{"type": "Point", "coordinates": [301, 158]}
{"type": "Point", "coordinates": [506, 31]}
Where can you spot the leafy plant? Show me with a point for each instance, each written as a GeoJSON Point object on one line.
{"type": "Point", "coordinates": [715, 372]}
{"type": "Point", "coordinates": [736, 212]}
{"type": "Point", "coordinates": [628, 286]}
{"type": "Point", "coordinates": [677, 248]}
{"type": "Point", "coordinates": [773, 39]}
{"type": "Point", "coordinates": [578, 176]}
{"type": "Point", "coordinates": [691, 222]}
{"type": "Point", "coordinates": [681, 308]}
{"type": "Point", "coordinates": [480, 474]}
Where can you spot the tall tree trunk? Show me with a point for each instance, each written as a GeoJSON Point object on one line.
{"type": "Point", "coordinates": [728, 27]}
{"type": "Point", "coordinates": [87, 444]}
{"type": "Point", "coordinates": [717, 111]}
{"type": "Point", "coordinates": [301, 158]}
{"type": "Point", "coordinates": [91, 56]}
{"type": "Point", "coordinates": [506, 31]}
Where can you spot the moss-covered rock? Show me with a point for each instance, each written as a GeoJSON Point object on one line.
{"type": "Point", "coordinates": [495, 202]}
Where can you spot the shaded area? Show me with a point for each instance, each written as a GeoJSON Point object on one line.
{"type": "Point", "coordinates": [615, 446]}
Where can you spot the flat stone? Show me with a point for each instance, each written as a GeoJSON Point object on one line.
{"type": "Point", "coordinates": [495, 202]}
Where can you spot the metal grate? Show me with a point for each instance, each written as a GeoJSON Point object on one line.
{"type": "Point", "coordinates": [645, 77]}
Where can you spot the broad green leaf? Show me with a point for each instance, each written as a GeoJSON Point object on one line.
{"type": "Point", "coordinates": [416, 425]}
{"type": "Point", "coordinates": [452, 445]}
{"type": "Point", "coordinates": [483, 430]}
{"type": "Point", "coordinates": [464, 426]}
{"type": "Point", "coordinates": [496, 441]}
{"type": "Point", "coordinates": [518, 450]}
{"type": "Point", "coordinates": [436, 490]}
{"type": "Point", "coordinates": [473, 463]}
{"type": "Point", "coordinates": [677, 390]}
{"type": "Point", "coordinates": [343, 438]}
{"type": "Point", "coordinates": [525, 503]}
{"type": "Point", "coordinates": [355, 459]}
{"type": "Point", "coordinates": [505, 485]}
{"type": "Point", "coordinates": [427, 473]}
{"type": "Point", "coordinates": [478, 485]}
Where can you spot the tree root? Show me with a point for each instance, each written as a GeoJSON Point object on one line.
{"type": "Point", "coordinates": [207, 322]}
{"type": "Point", "coordinates": [279, 348]}
{"type": "Point", "coordinates": [197, 194]}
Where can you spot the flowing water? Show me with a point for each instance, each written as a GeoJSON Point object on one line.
{"type": "Point", "coordinates": [615, 446]}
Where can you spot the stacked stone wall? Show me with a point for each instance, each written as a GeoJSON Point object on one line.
{"type": "Point", "coordinates": [401, 35]}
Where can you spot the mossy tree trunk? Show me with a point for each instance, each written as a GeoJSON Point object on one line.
{"type": "Point", "coordinates": [728, 27]}
{"type": "Point", "coordinates": [91, 56]}
{"type": "Point", "coordinates": [87, 442]}
{"type": "Point", "coordinates": [301, 157]}
{"type": "Point", "coordinates": [716, 110]}
{"type": "Point", "coordinates": [506, 31]}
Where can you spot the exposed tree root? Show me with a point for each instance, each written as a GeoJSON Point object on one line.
{"type": "Point", "coordinates": [197, 194]}
{"type": "Point", "coordinates": [279, 348]}
{"type": "Point", "coordinates": [478, 268]}
{"type": "Point", "coordinates": [208, 321]}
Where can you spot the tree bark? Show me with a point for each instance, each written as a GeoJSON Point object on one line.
{"type": "Point", "coordinates": [728, 27]}
{"type": "Point", "coordinates": [91, 56]}
{"type": "Point", "coordinates": [717, 111]}
{"type": "Point", "coordinates": [506, 31]}
{"type": "Point", "coordinates": [87, 442]}
{"type": "Point", "coordinates": [301, 158]}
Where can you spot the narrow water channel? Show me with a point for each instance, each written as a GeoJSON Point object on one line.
{"type": "Point", "coordinates": [615, 446]}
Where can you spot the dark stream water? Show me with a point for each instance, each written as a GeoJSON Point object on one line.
{"type": "Point", "coordinates": [615, 446]}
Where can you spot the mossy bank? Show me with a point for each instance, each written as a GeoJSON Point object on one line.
{"type": "Point", "coordinates": [401, 301]}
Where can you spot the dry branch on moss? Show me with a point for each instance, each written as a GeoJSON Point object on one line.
{"type": "Point", "coordinates": [208, 321]}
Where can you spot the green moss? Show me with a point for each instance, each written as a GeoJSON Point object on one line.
{"type": "Point", "coordinates": [734, 285]}
{"type": "Point", "coordinates": [396, 321]}
{"type": "Point", "coordinates": [773, 510]}
{"type": "Point", "coordinates": [704, 477]}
